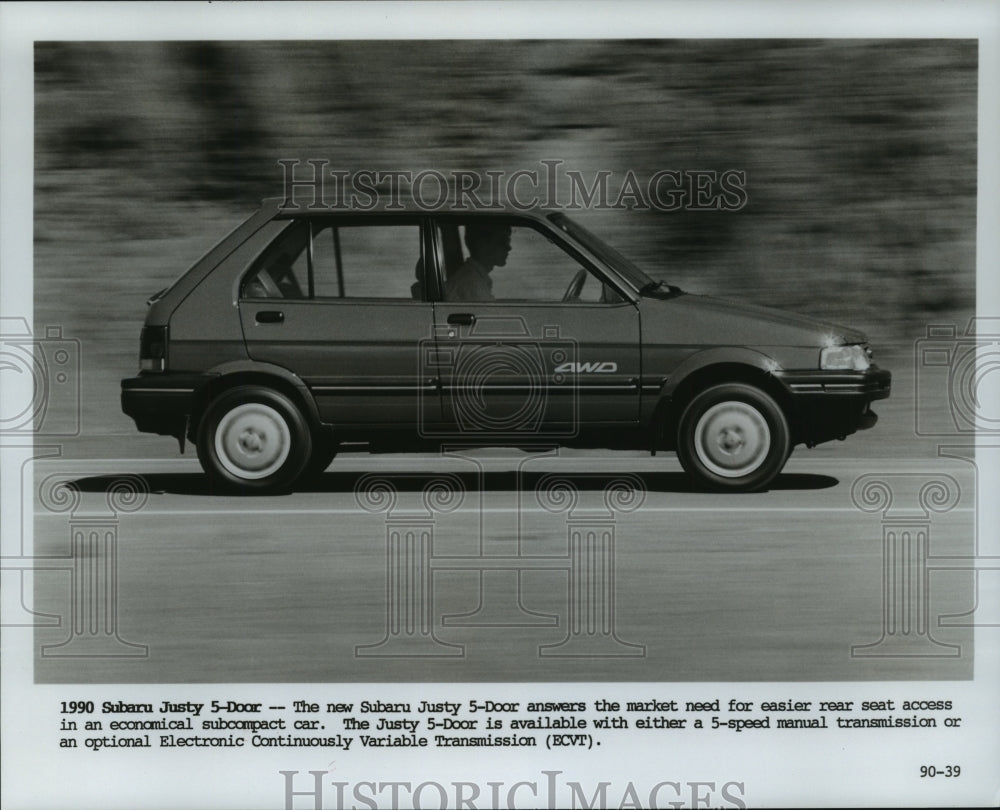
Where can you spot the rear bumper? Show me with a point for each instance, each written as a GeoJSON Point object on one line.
{"type": "Point", "coordinates": [160, 403]}
{"type": "Point", "coordinates": [833, 404]}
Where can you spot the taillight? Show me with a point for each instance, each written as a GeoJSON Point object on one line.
{"type": "Point", "coordinates": [153, 348]}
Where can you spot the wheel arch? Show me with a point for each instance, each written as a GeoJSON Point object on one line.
{"type": "Point", "coordinates": [682, 387]}
{"type": "Point", "coordinates": [231, 375]}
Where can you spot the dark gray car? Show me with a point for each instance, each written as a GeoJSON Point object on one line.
{"type": "Point", "coordinates": [303, 331]}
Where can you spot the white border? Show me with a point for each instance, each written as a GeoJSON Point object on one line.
{"type": "Point", "coordinates": [34, 776]}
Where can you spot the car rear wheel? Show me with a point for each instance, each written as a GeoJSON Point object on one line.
{"type": "Point", "coordinates": [253, 439]}
{"type": "Point", "coordinates": [733, 437]}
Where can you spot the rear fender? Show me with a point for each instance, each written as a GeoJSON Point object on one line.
{"type": "Point", "coordinates": [249, 372]}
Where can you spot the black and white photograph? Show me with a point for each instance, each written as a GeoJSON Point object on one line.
{"type": "Point", "coordinates": [499, 405]}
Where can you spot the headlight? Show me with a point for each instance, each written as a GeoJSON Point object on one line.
{"type": "Point", "coordinates": [845, 358]}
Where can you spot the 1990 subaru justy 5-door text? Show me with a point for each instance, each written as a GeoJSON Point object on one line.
{"type": "Point", "coordinates": [304, 331]}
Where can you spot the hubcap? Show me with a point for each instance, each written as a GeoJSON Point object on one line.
{"type": "Point", "coordinates": [732, 439]}
{"type": "Point", "coordinates": [252, 440]}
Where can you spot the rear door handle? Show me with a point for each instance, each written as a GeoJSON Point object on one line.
{"type": "Point", "coordinates": [270, 316]}
{"type": "Point", "coordinates": [461, 319]}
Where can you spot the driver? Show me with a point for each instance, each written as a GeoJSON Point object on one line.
{"type": "Point", "coordinates": [489, 246]}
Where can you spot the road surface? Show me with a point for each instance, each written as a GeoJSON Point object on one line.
{"type": "Point", "coordinates": [510, 567]}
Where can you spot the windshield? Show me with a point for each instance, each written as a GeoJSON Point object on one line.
{"type": "Point", "coordinates": [607, 254]}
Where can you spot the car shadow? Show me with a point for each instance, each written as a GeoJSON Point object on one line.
{"type": "Point", "coordinates": [339, 482]}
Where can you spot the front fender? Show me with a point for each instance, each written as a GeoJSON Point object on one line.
{"type": "Point", "coordinates": [716, 356]}
{"type": "Point", "coordinates": [697, 371]}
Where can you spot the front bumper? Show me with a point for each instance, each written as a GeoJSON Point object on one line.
{"type": "Point", "coordinates": [160, 403]}
{"type": "Point", "coordinates": [833, 404]}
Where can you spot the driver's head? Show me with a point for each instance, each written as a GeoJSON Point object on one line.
{"type": "Point", "coordinates": [488, 243]}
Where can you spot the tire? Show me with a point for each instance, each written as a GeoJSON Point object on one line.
{"type": "Point", "coordinates": [733, 438]}
{"type": "Point", "coordinates": [253, 439]}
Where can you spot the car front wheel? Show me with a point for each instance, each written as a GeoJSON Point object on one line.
{"type": "Point", "coordinates": [733, 437]}
{"type": "Point", "coordinates": [253, 439]}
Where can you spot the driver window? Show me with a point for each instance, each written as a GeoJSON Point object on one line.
{"type": "Point", "coordinates": [530, 267]}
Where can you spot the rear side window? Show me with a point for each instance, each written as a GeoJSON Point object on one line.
{"type": "Point", "coordinates": [283, 270]}
{"type": "Point", "coordinates": [330, 259]}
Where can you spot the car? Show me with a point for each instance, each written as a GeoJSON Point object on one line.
{"type": "Point", "coordinates": [306, 331]}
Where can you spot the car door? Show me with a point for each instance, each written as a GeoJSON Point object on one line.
{"type": "Point", "coordinates": [339, 301]}
{"type": "Point", "coordinates": [537, 345]}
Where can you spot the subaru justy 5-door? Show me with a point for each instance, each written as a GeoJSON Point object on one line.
{"type": "Point", "coordinates": [306, 331]}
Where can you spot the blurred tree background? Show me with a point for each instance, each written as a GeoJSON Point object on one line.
{"type": "Point", "coordinates": [860, 159]}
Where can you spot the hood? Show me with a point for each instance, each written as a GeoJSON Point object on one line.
{"type": "Point", "coordinates": [704, 319]}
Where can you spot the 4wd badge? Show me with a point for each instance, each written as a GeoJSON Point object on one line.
{"type": "Point", "coordinates": [587, 368]}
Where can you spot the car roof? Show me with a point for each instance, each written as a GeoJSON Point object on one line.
{"type": "Point", "coordinates": [387, 205]}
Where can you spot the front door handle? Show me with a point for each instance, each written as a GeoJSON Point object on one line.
{"type": "Point", "coordinates": [270, 316]}
{"type": "Point", "coordinates": [461, 319]}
